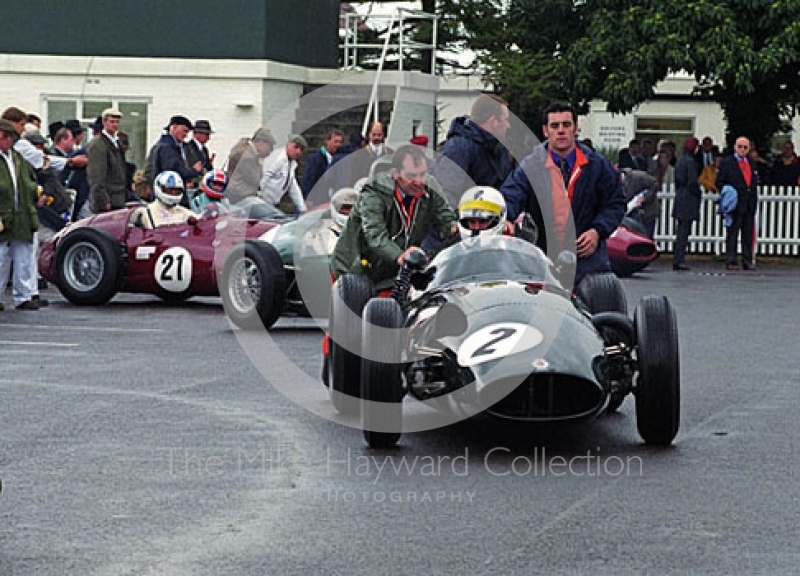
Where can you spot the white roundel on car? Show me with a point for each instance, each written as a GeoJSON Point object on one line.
{"type": "Point", "coordinates": [174, 269]}
{"type": "Point", "coordinates": [498, 341]}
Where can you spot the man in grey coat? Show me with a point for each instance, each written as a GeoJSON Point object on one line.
{"type": "Point", "coordinates": [106, 169]}
{"type": "Point", "coordinates": [687, 201]}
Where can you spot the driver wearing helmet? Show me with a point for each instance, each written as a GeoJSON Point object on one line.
{"type": "Point", "coordinates": [166, 209]}
{"type": "Point", "coordinates": [481, 212]}
{"type": "Point", "coordinates": [212, 193]}
{"type": "Point", "coordinates": [342, 203]}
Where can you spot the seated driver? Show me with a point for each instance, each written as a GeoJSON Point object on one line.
{"type": "Point", "coordinates": [481, 212]}
{"type": "Point", "coordinates": [166, 209]}
{"type": "Point", "coordinates": [341, 205]}
{"type": "Point", "coordinates": [212, 193]}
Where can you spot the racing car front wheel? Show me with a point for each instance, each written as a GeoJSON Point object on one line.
{"type": "Point", "coordinates": [657, 388]}
{"type": "Point", "coordinates": [350, 294]}
{"type": "Point", "coordinates": [88, 265]}
{"type": "Point", "coordinates": [253, 285]}
{"type": "Point", "coordinates": [381, 379]}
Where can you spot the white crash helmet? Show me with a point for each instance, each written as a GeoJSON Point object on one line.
{"type": "Point", "coordinates": [168, 188]}
{"type": "Point", "coordinates": [482, 211]}
{"type": "Point", "coordinates": [341, 204]}
{"type": "Point", "coordinates": [360, 183]}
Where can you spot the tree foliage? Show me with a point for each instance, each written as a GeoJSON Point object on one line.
{"type": "Point", "coordinates": [743, 54]}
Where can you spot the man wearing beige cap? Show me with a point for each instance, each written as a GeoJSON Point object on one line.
{"type": "Point", "coordinates": [278, 181]}
{"type": "Point", "coordinates": [106, 169]}
{"type": "Point", "coordinates": [245, 177]}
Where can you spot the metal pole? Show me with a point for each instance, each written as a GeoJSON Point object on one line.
{"type": "Point", "coordinates": [355, 43]}
{"type": "Point", "coordinates": [434, 21]}
{"type": "Point", "coordinates": [400, 38]}
{"type": "Point", "coordinates": [374, 94]}
{"type": "Point", "coordinates": [346, 59]}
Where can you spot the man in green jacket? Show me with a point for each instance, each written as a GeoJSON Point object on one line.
{"type": "Point", "coordinates": [391, 219]}
{"type": "Point", "coordinates": [18, 220]}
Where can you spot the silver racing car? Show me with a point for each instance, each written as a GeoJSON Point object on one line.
{"type": "Point", "coordinates": [487, 326]}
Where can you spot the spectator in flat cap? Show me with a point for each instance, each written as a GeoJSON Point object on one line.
{"type": "Point", "coordinates": [279, 181]}
{"type": "Point", "coordinates": [196, 149]}
{"type": "Point", "coordinates": [33, 136]}
{"type": "Point", "coordinates": [106, 169]}
{"type": "Point", "coordinates": [168, 154]}
{"type": "Point", "coordinates": [244, 165]}
{"type": "Point", "coordinates": [36, 157]}
{"type": "Point", "coordinates": [19, 221]}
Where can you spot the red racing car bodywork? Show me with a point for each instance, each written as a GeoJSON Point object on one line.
{"type": "Point", "coordinates": [629, 249]}
{"type": "Point", "coordinates": [91, 260]}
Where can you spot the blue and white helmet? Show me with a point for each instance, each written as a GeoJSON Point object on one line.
{"type": "Point", "coordinates": [168, 188]}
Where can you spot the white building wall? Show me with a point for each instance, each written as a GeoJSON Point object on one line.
{"type": "Point", "coordinates": [415, 106]}
{"type": "Point", "coordinates": [239, 96]}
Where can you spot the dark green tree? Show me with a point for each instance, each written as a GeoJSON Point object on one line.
{"type": "Point", "coordinates": [520, 47]}
{"type": "Point", "coordinates": [744, 54]}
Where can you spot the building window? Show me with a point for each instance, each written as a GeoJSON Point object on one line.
{"type": "Point", "coordinates": [677, 130]}
{"type": "Point", "coordinates": [133, 123]}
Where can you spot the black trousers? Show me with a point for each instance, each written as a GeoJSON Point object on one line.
{"type": "Point", "coordinates": [744, 223]}
{"type": "Point", "coordinates": [681, 240]}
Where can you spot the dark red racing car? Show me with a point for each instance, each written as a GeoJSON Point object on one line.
{"type": "Point", "coordinates": [210, 255]}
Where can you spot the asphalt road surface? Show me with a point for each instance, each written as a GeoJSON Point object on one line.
{"type": "Point", "coordinates": [139, 438]}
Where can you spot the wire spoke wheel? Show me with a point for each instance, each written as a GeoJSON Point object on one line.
{"type": "Point", "coordinates": [84, 266]}
{"type": "Point", "coordinates": [246, 285]}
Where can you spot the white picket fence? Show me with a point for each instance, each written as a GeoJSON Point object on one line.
{"type": "Point", "coordinates": [777, 222]}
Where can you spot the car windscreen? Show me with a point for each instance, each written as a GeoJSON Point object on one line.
{"type": "Point", "coordinates": [496, 258]}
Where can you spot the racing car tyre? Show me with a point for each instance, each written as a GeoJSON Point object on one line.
{"type": "Point", "coordinates": [657, 388]}
{"type": "Point", "coordinates": [381, 380]}
{"type": "Point", "coordinates": [603, 292]}
{"type": "Point", "coordinates": [253, 285]}
{"type": "Point", "coordinates": [88, 266]}
{"type": "Point", "coordinates": [351, 292]}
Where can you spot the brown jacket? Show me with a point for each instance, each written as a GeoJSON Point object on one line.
{"type": "Point", "coordinates": [107, 174]}
{"type": "Point", "coordinates": [246, 177]}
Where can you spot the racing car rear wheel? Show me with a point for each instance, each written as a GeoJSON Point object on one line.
{"type": "Point", "coordinates": [351, 292]}
{"type": "Point", "coordinates": [88, 265]}
{"type": "Point", "coordinates": [603, 293]}
{"type": "Point", "coordinates": [381, 380]}
{"type": "Point", "coordinates": [658, 382]}
{"type": "Point", "coordinates": [253, 285]}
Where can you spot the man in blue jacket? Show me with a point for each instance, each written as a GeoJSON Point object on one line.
{"type": "Point", "coordinates": [473, 154]}
{"type": "Point", "coordinates": [573, 186]}
{"type": "Point", "coordinates": [320, 160]}
{"type": "Point", "coordinates": [168, 155]}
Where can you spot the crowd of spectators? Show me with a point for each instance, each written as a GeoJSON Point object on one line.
{"type": "Point", "coordinates": [73, 180]}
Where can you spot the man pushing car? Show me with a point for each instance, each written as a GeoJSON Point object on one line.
{"type": "Point", "coordinates": [391, 219]}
